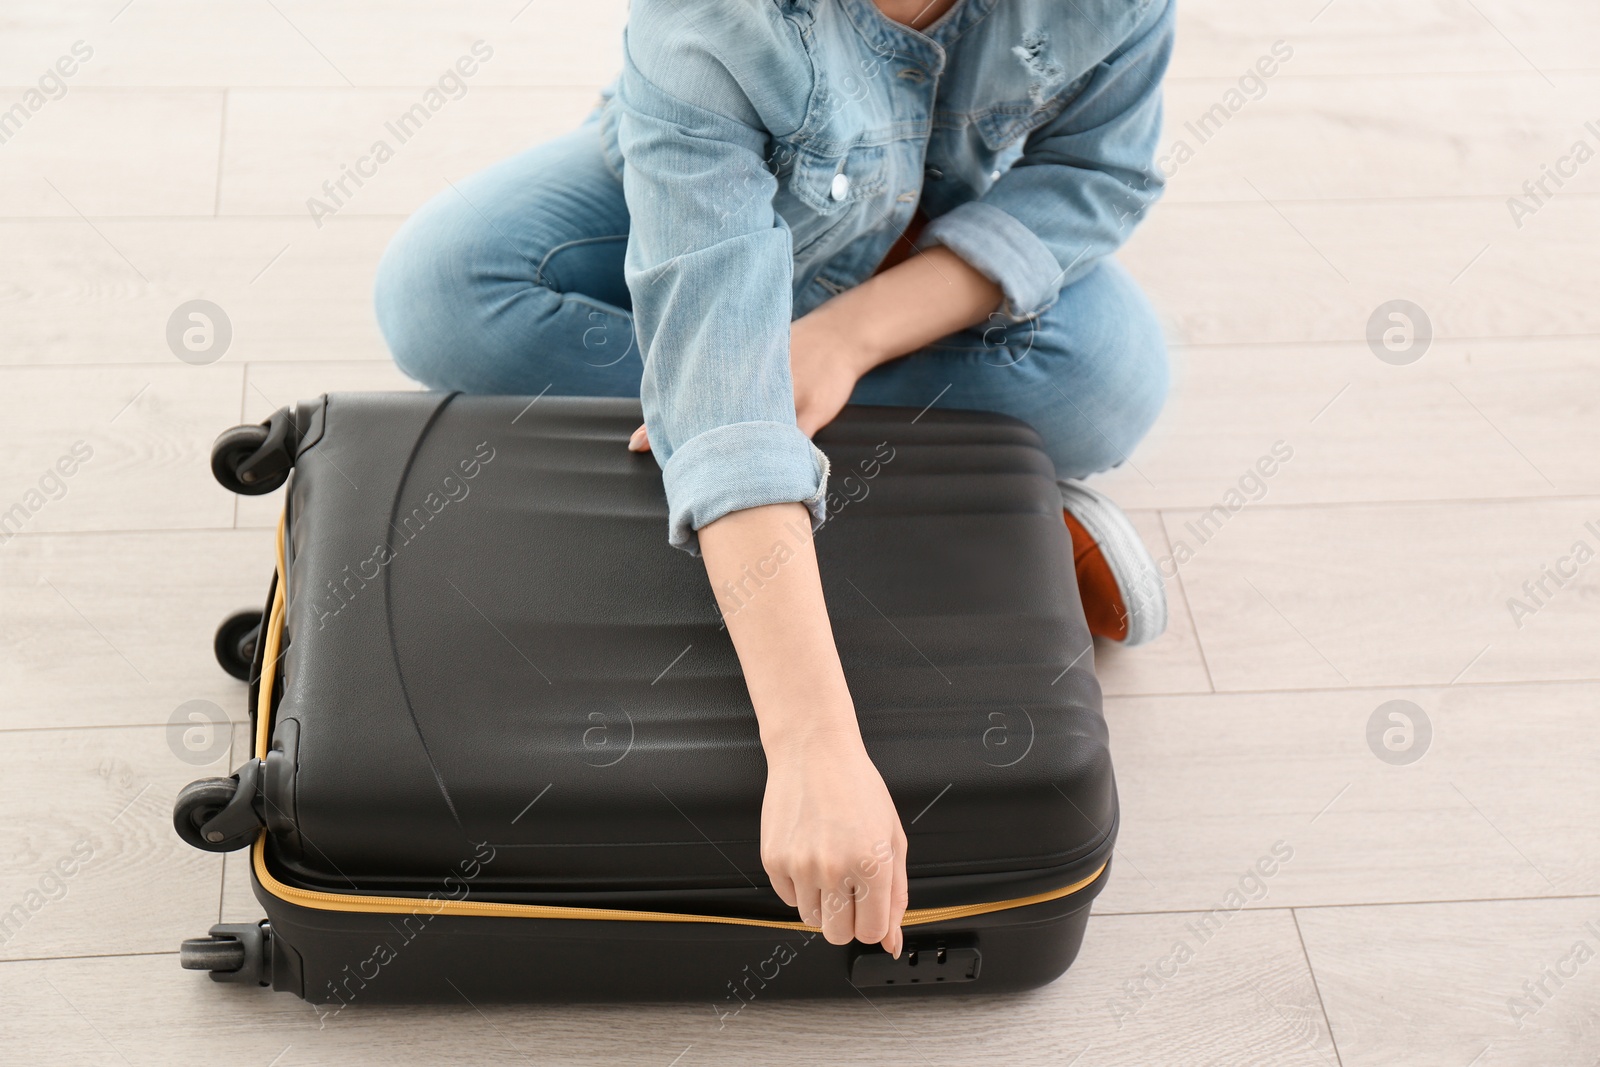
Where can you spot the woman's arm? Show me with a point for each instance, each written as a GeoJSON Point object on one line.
{"type": "Point", "coordinates": [831, 840]}
{"type": "Point", "coordinates": [1084, 180]}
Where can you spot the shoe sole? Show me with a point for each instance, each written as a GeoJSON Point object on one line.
{"type": "Point", "coordinates": [1138, 579]}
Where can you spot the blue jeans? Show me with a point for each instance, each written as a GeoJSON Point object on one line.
{"type": "Point", "coordinates": [512, 282]}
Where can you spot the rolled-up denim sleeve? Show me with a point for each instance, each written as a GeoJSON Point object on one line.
{"type": "Point", "coordinates": [1083, 181]}
{"type": "Point", "coordinates": [709, 269]}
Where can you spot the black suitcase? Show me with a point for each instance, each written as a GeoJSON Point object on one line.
{"type": "Point", "coordinates": [503, 749]}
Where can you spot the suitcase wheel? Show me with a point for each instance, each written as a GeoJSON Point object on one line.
{"type": "Point", "coordinates": [235, 644]}
{"type": "Point", "coordinates": [234, 952]}
{"type": "Point", "coordinates": [251, 460]}
{"type": "Point", "coordinates": [209, 954]}
{"type": "Point", "coordinates": [200, 802]}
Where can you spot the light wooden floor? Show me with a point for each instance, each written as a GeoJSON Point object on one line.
{"type": "Point", "coordinates": [1377, 564]}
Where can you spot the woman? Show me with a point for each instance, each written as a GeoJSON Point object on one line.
{"type": "Point", "coordinates": [784, 205]}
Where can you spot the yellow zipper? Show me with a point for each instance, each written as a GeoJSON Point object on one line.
{"type": "Point", "coordinates": [311, 898]}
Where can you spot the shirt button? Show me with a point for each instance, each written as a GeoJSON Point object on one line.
{"type": "Point", "coordinates": [934, 173]}
{"type": "Point", "coordinates": [841, 186]}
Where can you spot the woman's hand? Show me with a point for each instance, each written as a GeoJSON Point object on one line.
{"type": "Point", "coordinates": [826, 359]}
{"type": "Point", "coordinates": [832, 843]}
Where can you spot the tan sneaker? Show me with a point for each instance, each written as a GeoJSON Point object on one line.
{"type": "Point", "coordinates": [1124, 598]}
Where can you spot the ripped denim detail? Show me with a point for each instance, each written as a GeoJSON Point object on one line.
{"type": "Point", "coordinates": [1044, 73]}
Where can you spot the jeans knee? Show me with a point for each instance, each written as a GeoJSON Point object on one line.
{"type": "Point", "coordinates": [1121, 417]}
{"type": "Point", "coordinates": [1149, 378]}
{"type": "Point", "coordinates": [1113, 366]}
{"type": "Point", "coordinates": [409, 297]}
{"type": "Point", "coordinates": [433, 294]}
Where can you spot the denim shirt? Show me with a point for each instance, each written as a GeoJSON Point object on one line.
{"type": "Point", "coordinates": [772, 151]}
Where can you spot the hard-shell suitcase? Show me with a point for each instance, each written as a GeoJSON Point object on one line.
{"type": "Point", "coordinates": [503, 748]}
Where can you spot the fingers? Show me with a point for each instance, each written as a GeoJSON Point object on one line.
{"type": "Point", "coordinates": [899, 898]}
{"type": "Point", "coordinates": [808, 902]}
{"type": "Point", "coordinates": [874, 898]}
{"type": "Point", "coordinates": [828, 904]}
{"type": "Point", "coordinates": [783, 885]}
{"type": "Point", "coordinates": [838, 915]}
{"type": "Point", "coordinates": [867, 903]}
{"type": "Point", "coordinates": [640, 441]}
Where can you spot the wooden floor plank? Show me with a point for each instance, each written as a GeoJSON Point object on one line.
{"type": "Point", "coordinates": [1436, 985]}
{"type": "Point", "coordinates": [1261, 273]}
{"type": "Point", "coordinates": [117, 628]}
{"type": "Point", "coordinates": [124, 447]}
{"type": "Point", "coordinates": [1322, 424]}
{"type": "Point", "coordinates": [1402, 594]}
{"type": "Point", "coordinates": [93, 866]}
{"type": "Point", "coordinates": [1210, 784]}
{"type": "Point", "coordinates": [1173, 663]}
{"type": "Point", "coordinates": [1448, 135]}
{"type": "Point", "coordinates": [293, 152]}
{"type": "Point", "coordinates": [1353, 38]}
{"type": "Point", "coordinates": [300, 43]}
{"type": "Point", "coordinates": [165, 144]}
{"type": "Point", "coordinates": [72, 293]}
